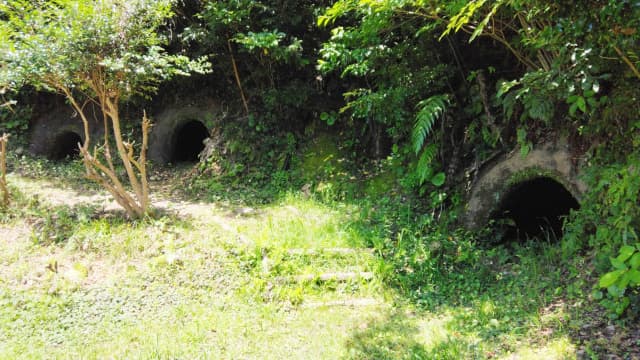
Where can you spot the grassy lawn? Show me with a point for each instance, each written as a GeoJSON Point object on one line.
{"type": "Point", "coordinates": [292, 279]}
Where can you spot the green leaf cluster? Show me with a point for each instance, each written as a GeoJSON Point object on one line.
{"type": "Point", "coordinates": [264, 50]}
{"type": "Point", "coordinates": [55, 44]}
{"type": "Point", "coordinates": [626, 275]}
{"type": "Point", "coordinates": [609, 218]}
{"type": "Point", "coordinates": [429, 111]}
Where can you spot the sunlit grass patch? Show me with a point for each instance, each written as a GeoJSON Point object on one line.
{"type": "Point", "coordinates": [168, 321]}
{"type": "Point", "coordinates": [300, 222]}
{"type": "Point", "coordinates": [451, 333]}
{"type": "Point", "coordinates": [560, 348]}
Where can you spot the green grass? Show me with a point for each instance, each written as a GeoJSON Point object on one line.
{"type": "Point", "coordinates": [297, 222]}
{"type": "Point", "coordinates": [222, 283]}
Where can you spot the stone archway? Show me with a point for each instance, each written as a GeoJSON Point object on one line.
{"type": "Point", "coordinates": [534, 208]}
{"type": "Point", "coordinates": [548, 178]}
{"type": "Point", "coordinates": [188, 140]}
{"type": "Point", "coordinates": [178, 134]}
{"type": "Point", "coordinates": [56, 132]}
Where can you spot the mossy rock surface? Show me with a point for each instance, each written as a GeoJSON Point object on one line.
{"type": "Point", "coordinates": [322, 159]}
{"type": "Point", "coordinates": [380, 184]}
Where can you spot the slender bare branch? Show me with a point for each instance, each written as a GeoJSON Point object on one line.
{"type": "Point", "coordinates": [237, 76]}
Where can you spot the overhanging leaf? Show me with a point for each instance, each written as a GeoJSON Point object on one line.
{"type": "Point", "coordinates": [438, 179]}
{"type": "Point", "coordinates": [634, 263]}
{"type": "Point", "coordinates": [485, 21]}
{"type": "Point", "coordinates": [625, 253]}
{"type": "Point", "coordinates": [634, 277]}
{"type": "Point", "coordinates": [620, 265]}
{"type": "Point", "coordinates": [610, 278]}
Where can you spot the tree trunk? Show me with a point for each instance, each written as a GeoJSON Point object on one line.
{"type": "Point", "coordinates": [3, 171]}
{"type": "Point", "coordinates": [103, 171]}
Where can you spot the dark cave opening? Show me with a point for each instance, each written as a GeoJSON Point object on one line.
{"type": "Point", "coordinates": [188, 141]}
{"type": "Point", "coordinates": [534, 208]}
{"type": "Point", "coordinates": [65, 146]}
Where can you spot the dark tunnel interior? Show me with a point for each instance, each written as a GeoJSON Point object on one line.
{"type": "Point", "coordinates": [188, 141]}
{"type": "Point", "coordinates": [534, 209]}
{"type": "Point", "coordinates": [65, 146]}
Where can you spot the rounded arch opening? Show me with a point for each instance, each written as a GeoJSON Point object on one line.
{"type": "Point", "coordinates": [188, 141]}
{"type": "Point", "coordinates": [534, 208]}
{"type": "Point", "coordinates": [65, 146]}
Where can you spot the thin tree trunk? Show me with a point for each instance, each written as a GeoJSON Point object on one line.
{"type": "Point", "coordinates": [105, 174]}
{"type": "Point", "coordinates": [3, 170]}
{"type": "Point", "coordinates": [125, 156]}
{"type": "Point", "coordinates": [237, 76]}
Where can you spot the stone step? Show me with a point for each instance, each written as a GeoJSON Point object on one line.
{"type": "Point", "coordinates": [329, 251]}
{"type": "Point", "coordinates": [347, 303]}
{"type": "Point", "coordinates": [326, 277]}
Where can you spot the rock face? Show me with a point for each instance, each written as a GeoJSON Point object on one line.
{"type": "Point", "coordinates": [550, 160]}
{"type": "Point", "coordinates": [53, 128]}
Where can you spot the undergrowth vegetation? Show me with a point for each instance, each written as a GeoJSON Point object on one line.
{"type": "Point", "coordinates": [303, 275]}
{"type": "Point", "coordinates": [313, 275]}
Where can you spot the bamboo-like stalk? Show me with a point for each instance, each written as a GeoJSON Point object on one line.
{"type": "Point", "coordinates": [627, 61]}
{"type": "Point", "coordinates": [237, 76]}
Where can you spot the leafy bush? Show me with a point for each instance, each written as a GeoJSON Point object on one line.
{"type": "Point", "coordinates": [14, 118]}
{"type": "Point", "coordinates": [608, 218]}
{"type": "Point", "coordinates": [623, 283]}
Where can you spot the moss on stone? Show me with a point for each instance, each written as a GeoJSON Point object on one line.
{"type": "Point", "coordinates": [380, 184]}
{"type": "Point", "coordinates": [322, 159]}
{"type": "Point", "coordinates": [533, 173]}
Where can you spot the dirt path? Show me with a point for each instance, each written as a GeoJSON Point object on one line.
{"type": "Point", "coordinates": [56, 195]}
{"type": "Point", "coordinates": [162, 198]}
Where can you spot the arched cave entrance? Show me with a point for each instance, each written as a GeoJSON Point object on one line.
{"type": "Point", "coordinates": [188, 141]}
{"type": "Point", "coordinates": [65, 146]}
{"type": "Point", "coordinates": [534, 208]}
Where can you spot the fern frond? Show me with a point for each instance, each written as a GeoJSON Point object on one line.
{"type": "Point", "coordinates": [429, 111]}
{"type": "Point", "coordinates": [423, 168]}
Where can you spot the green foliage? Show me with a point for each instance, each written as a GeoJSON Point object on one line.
{"type": "Point", "coordinates": [525, 145]}
{"type": "Point", "coordinates": [15, 111]}
{"type": "Point", "coordinates": [429, 111]}
{"type": "Point", "coordinates": [557, 44]}
{"type": "Point", "coordinates": [270, 33]}
{"type": "Point", "coordinates": [15, 120]}
{"type": "Point", "coordinates": [389, 81]}
{"type": "Point", "coordinates": [269, 44]}
{"type": "Point", "coordinates": [608, 218]}
{"type": "Point", "coordinates": [612, 203]}
{"type": "Point", "coordinates": [538, 92]}
{"type": "Point", "coordinates": [623, 282]}
{"type": "Point", "coordinates": [264, 50]}
{"type": "Point", "coordinates": [467, 12]}
{"type": "Point", "coordinates": [121, 40]}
